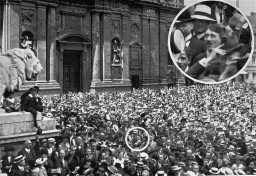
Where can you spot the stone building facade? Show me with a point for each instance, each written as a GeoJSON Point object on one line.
{"type": "Point", "coordinates": [77, 41]}
{"type": "Point", "coordinates": [250, 71]}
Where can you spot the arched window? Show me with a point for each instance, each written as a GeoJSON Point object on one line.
{"type": "Point", "coordinates": [27, 40]}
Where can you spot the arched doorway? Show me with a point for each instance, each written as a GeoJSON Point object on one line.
{"type": "Point", "coordinates": [74, 63]}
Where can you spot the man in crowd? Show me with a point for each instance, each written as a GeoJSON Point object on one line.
{"type": "Point", "coordinates": [8, 159]}
{"type": "Point", "coordinates": [191, 146]}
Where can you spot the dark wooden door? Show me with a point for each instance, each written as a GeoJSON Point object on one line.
{"type": "Point", "coordinates": [135, 79]}
{"type": "Point", "coordinates": [71, 71]}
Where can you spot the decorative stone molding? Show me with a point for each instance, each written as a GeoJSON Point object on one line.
{"type": "Point", "coordinates": [135, 30]}
{"type": "Point", "coordinates": [116, 26]}
{"type": "Point", "coordinates": [149, 12]}
{"type": "Point", "coordinates": [28, 16]}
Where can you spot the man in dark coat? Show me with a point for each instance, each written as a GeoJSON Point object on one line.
{"type": "Point", "coordinates": [30, 104]}
{"type": "Point", "coordinates": [19, 167]}
{"type": "Point", "coordinates": [29, 152]}
{"type": "Point", "coordinates": [8, 159]}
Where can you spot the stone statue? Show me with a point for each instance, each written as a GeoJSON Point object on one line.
{"type": "Point", "coordinates": [16, 66]}
{"type": "Point", "coordinates": [117, 52]}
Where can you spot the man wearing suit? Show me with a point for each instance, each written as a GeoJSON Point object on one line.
{"type": "Point", "coordinates": [193, 45]}
{"type": "Point", "coordinates": [19, 169]}
{"type": "Point", "coordinates": [8, 159]}
{"type": "Point", "coordinates": [30, 104]}
{"type": "Point", "coordinates": [213, 37]}
{"type": "Point", "coordinates": [63, 163]}
{"type": "Point", "coordinates": [29, 152]}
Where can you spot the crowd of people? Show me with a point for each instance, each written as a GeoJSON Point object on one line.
{"type": "Point", "coordinates": [217, 41]}
{"type": "Point", "coordinates": [192, 130]}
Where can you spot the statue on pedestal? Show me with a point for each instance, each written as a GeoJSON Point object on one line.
{"type": "Point", "coordinates": [16, 66]}
{"type": "Point", "coordinates": [117, 50]}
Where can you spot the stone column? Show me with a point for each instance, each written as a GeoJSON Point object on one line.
{"type": "Point", "coordinates": [163, 52]}
{"type": "Point", "coordinates": [145, 49]}
{"type": "Point", "coordinates": [11, 26]}
{"type": "Point", "coordinates": [126, 69]}
{"type": "Point", "coordinates": [107, 48]}
{"type": "Point", "coordinates": [154, 50]}
{"type": "Point", "coordinates": [51, 46]}
{"type": "Point", "coordinates": [41, 35]}
{"type": "Point", "coordinates": [96, 48]}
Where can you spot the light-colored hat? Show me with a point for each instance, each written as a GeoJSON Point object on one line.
{"type": "Point", "coordinates": [40, 161]}
{"type": "Point", "coordinates": [19, 158]}
{"type": "Point", "coordinates": [161, 172]}
{"type": "Point", "coordinates": [214, 171]}
{"type": "Point", "coordinates": [51, 140]}
{"type": "Point", "coordinates": [175, 168]}
{"type": "Point", "coordinates": [28, 142]}
{"type": "Point", "coordinates": [115, 128]}
{"type": "Point", "coordinates": [144, 155]}
{"type": "Point", "coordinates": [203, 12]}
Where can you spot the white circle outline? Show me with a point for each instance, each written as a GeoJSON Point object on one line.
{"type": "Point", "coordinates": [199, 81]}
{"type": "Point", "coordinates": [126, 136]}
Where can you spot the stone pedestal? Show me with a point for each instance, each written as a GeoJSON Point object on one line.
{"type": "Point", "coordinates": [17, 123]}
{"type": "Point", "coordinates": [17, 127]}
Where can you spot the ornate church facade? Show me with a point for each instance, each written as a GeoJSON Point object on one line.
{"type": "Point", "coordinates": [93, 45]}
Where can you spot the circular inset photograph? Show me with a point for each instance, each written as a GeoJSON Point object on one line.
{"type": "Point", "coordinates": [137, 139]}
{"type": "Point", "coordinates": [210, 42]}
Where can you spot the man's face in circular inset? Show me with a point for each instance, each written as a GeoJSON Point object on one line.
{"type": "Point", "coordinates": [212, 39]}
{"type": "Point", "coordinates": [183, 61]}
{"type": "Point", "coordinates": [200, 26]}
{"type": "Point", "coordinates": [186, 28]}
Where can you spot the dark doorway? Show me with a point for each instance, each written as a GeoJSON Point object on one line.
{"type": "Point", "coordinates": [135, 81]}
{"type": "Point", "coordinates": [71, 71]}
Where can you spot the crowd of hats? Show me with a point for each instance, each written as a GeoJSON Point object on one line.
{"type": "Point", "coordinates": [213, 121]}
{"type": "Point", "coordinates": [211, 126]}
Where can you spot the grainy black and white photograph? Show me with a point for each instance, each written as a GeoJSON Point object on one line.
{"type": "Point", "coordinates": [211, 42]}
{"type": "Point", "coordinates": [96, 88]}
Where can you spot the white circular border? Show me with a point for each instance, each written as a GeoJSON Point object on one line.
{"type": "Point", "coordinates": [196, 80]}
{"type": "Point", "coordinates": [126, 136]}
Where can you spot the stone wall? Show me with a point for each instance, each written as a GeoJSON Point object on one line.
{"type": "Point", "coordinates": [90, 28]}
{"type": "Point", "coordinates": [17, 127]}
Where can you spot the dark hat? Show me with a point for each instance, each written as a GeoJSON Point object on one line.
{"type": "Point", "coordinates": [37, 88]}
{"type": "Point", "coordinates": [199, 144]}
{"type": "Point", "coordinates": [185, 17]}
{"type": "Point", "coordinates": [8, 148]}
{"type": "Point", "coordinates": [231, 44]}
{"type": "Point", "coordinates": [32, 89]}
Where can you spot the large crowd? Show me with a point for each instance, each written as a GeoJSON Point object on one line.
{"type": "Point", "coordinates": [193, 130]}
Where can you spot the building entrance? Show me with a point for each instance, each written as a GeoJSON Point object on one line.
{"type": "Point", "coordinates": [71, 71]}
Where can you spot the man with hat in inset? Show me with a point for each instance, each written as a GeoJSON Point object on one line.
{"type": "Point", "coordinates": [203, 65]}
{"type": "Point", "coordinates": [203, 18]}
{"type": "Point", "coordinates": [193, 46]}
{"type": "Point", "coordinates": [19, 166]}
{"type": "Point", "coordinates": [8, 159]}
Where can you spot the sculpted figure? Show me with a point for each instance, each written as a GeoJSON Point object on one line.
{"type": "Point", "coordinates": [16, 66]}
